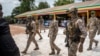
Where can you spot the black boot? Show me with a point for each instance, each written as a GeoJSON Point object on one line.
{"type": "Point", "coordinates": [58, 52]}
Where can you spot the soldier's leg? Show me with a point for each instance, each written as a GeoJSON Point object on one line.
{"type": "Point", "coordinates": [40, 29]}
{"type": "Point", "coordinates": [67, 44]}
{"type": "Point", "coordinates": [91, 36]}
{"type": "Point", "coordinates": [54, 45]}
{"type": "Point", "coordinates": [43, 27]}
{"type": "Point", "coordinates": [72, 49]}
{"type": "Point", "coordinates": [34, 41]}
{"type": "Point", "coordinates": [52, 48]}
{"type": "Point", "coordinates": [95, 41]}
{"type": "Point", "coordinates": [28, 43]}
{"type": "Point", "coordinates": [39, 34]}
{"type": "Point", "coordinates": [91, 40]}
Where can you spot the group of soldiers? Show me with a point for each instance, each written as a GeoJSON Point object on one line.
{"type": "Point", "coordinates": [76, 32]}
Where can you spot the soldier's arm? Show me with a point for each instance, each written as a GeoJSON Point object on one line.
{"type": "Point", "coordinates": [34, 27]}
{"type": "Point", "coordinates": [82, 28]}
{"type": "Point", "coordinates": [55, 26]}
{"type": "Point", "coordinates": [83, 36]}
{"type": "Point", "coordinates": [97, 23]}
{"type": "Point", "coordinates": [88, 24]}
{"type": "Point", "coordinates": [49, 29]}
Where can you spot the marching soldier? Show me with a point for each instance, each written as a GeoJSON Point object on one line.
{"type": "Point", "coordinates": [31, 30]}
{"type": "Point", "coordinates": [41, 24]}
{"type": "Point", "coordinates": [53, 30]}
{"type": "Point", "coordinates": [93, 26]}
{"type": "Point", "coordinates": [77, 33]}
{"type": "Point", "coordinates": [37, 28]}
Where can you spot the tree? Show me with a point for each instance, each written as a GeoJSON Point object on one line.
{"type": "Point", "coordinates": [43, 5]}
{"type": "Point", "coordinates": [62, 2]}
{"type": "Point", "coordinates": [16, 11]}
{"type": "Point", "coordinates": [27, 5]}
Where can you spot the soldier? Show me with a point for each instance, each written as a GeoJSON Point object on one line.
{"type": "Point", "coordinates": [93, 26]}
{"type": "Point", "coordinates": [37, 28]}
{"type": "Point", "coordinates": [53, 30]}
{"type": "Point", "coordinates": [77, 33]}
{"type": "Point", "coordinates": [31, 25]}
{"type": "Point", "coordinates": [42, 24]}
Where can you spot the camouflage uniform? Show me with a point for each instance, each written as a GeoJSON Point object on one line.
{"type": "Point", "coordinates": [77, 33]}
{"type": "Point", "coordinates": [32, 34]}
{"type": "Point", "coordinates": [37, 29]}
{"type": "Point", "coordinates": [53, 30]}
{"type": "Point", "coordinates": [98, 26]}
{"type": "Point", "coordinates": [41, 24]}
{"type": "Point", "coordinates": [93, 26]}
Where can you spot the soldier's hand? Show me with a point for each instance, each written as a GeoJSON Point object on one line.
{"type": "Point", "coordinates": [81, 48]}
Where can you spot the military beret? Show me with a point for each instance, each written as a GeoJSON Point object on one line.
{"type": "Point", "coordinates": [72, 10]}
{"type": "Point", "coordinates": [93, 12]}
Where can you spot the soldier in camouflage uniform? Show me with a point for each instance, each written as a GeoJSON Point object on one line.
{"type": "Point", "coordinates": [37, 28]}
{"type": "Point", "coordinates": [77, 33]}
{"type": "Point", "coordinates": [53, 30]}
{"type": "Point", "coordinates": [41, 24]}
{"type": "Point", "coordinates": [93, 26]}
{"type": "Point", "coordinates": [31, 30]}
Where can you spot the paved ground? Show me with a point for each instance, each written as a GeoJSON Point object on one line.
{"type": "Point", "coordinates": [16, 29]}
{"type": "Point", "coordinates": [21, 38]}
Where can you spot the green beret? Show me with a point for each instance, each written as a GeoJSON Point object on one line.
{"type": "Point", "coordinates": [93, 12]}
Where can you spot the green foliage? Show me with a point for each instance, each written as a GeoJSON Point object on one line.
{"type": "Point", "coordinates": [62, 2]}
{"type": "Point", "coordinates": [16, 11]}
{"type": "Point", "coordinates": [10, 19]}
{"type": "Point", "coordinates": [43, 5]}
{"type": "Point", "coordinates": [26, 5]}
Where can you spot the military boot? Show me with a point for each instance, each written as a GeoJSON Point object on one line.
{"type": "Point", "coordinates": [96, 43]}
{"type": "Point", "coordinates": [53, 52]}
{"type": "Point", "coordinates": [36, 48]}
{"type": "Point", "coordinates": [24, 52]}
{"type": "Point", "coordinates": [58, 52]}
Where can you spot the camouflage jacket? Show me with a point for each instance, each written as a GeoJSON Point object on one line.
{"type": "Point", "coordinates": [41, 21]}
{"type": "Point", "coordinates": [37, 24]}
{"type": "Point", "coordinates": [78, 26]}
{"type": "Point", "coordinates": [93, 24]}
{"type": "Point", "coordinates": [31, 27]}
{"type": "Point", "coordinates": [53, 29]}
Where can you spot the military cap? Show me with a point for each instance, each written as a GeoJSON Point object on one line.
{"type": "Point", "coordinates": [93, 12]}
{"type": "Point", "coordinates": [72, 10]}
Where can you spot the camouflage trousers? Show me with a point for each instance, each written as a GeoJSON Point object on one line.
{"type": "Point", "coordinates": [91, 37]}
{"type": "Point", "coordinates": [31, 39]}
{"type": "Point", "coordinates": [42, 27]}
{"type": "Point", "coordinates": [37, 32]}
{"type": "Point", "coordinates": [72, 49]}
{"type": "Point", "coordinates": [52, 44]}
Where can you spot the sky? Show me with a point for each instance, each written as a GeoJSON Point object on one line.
{"type": "Point", "coordinates": [9, 5]}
